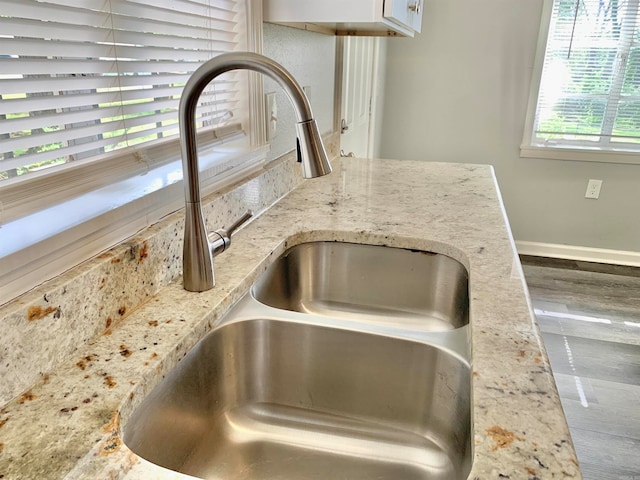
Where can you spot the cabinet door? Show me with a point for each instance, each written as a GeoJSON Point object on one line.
{"type": "Point", "coordinates": [404, 12]}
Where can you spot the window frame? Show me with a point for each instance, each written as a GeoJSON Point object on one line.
{"type": "Point", "coordinates": [570, 151]}
{"type": "Point", "coordinates": [227, 155]}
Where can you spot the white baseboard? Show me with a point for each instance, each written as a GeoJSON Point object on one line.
{"type": "Point", "coordinates": [574, 252]}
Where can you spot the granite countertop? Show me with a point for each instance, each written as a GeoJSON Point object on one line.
{"type": "Point", "coordinates": [68, 423]}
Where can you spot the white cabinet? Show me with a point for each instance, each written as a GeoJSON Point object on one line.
{"type": "Point", "coordinates": [405, 12]}
{"type": "Point", "coordinates": [348, 17]}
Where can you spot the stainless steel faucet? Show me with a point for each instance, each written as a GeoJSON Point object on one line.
{"type": "Point", "coordinates": [198, 251]}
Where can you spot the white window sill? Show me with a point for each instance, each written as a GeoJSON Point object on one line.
{"type": "Point", "coordinates": [580, 154]}
{"type": "Point", "coordinates": [44, 244]}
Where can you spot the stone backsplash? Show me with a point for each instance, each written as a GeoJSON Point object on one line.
{"type": "Point", "coordinates": [41, 328]}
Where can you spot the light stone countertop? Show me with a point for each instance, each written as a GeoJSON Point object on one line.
{"type": "Point", "coordinates": [67, 424]}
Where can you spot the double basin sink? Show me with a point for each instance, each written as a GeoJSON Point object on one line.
{"type": "Point", "coordinates": [342, 361]}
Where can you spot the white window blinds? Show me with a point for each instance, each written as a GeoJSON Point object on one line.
{"type": "Point", "coordinates": [590, 87]}
{"type": "Point", "coordinates": [82, 79]}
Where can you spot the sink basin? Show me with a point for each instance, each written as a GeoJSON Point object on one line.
{"type": "Point", "coordinates": [406, 288]}
{"type": "Point", "coordinates": [269, 399]}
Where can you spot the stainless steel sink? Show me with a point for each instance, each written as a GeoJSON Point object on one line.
{"type": "Point", "coordinates": [410, 289]}
{"type": "Point", "coordinates": [271, 399]}
{"type": "Point", "coordinates": [344, 361]}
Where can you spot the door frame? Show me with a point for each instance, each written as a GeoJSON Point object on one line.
{"type": "Point", "coordinates": [375, 100]}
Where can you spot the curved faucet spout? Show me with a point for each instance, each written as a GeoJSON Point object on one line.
{"type": "Point", "coordinates": [197, 255]}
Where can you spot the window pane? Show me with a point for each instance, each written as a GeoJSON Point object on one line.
{"type": "Point", "coordinates": [591, 74]}
{"type": "Point", "coordinates": [76, 83]}
{"type": "Point", "coordinates": [574, 115]}
{"type": "Point", "coordinates": [590, 70]}
{"type": "Point", "coordinates": [631, 85]}
{"type": "Point", "coordinates": [627, 124]}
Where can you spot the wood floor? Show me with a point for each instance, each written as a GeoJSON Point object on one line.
{"type": "Point", "coordinates": [589, 315]}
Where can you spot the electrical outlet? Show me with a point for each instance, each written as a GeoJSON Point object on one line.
{"type": "Point", "coordinates": [593, 189]}
{"type": "Point", "coordinates": [271, 110]}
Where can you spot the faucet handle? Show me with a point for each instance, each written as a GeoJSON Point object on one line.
{"type": "Point", "coordinates": [238, 223]}
{"type": "Point", "coordinates": [221, 238]}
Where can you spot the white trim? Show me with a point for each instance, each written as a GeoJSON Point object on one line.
{"type": "Point", "coordinates": [580, 154]}
{"type": "Point", "coordinates": [373, 109]}
{"type": "Point", "coordinates": [257, 115]}
{"type": "Point", "coordinates": [337, 88]}
{"type": "Point", "coordinates": [536, 74]}
{"type": "Point", "coordinates": [26, 194]}
{"type": "Point", "coordinates": [40, 248]}
{"type": "Point", "coordinates": [575, 252]}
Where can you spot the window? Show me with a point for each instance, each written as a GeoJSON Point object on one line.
{"type": "Point", "coordinates": [589, 91]}
{"type": "Point", "coordinates": [97, 77]}
{"type": "Point", "coordinates": [89, 94]}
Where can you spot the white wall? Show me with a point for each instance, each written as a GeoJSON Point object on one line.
{"type": "Point", "coordinates": [458, 92]}
{"type": "Point", "coordinates": [310, 58]}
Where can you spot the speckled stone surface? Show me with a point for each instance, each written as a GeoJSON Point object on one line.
{"type": "Point", "coordinates": [67, 423]}
{"type": "Point", "coordinates": [67, 312]}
